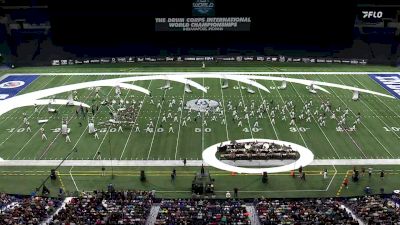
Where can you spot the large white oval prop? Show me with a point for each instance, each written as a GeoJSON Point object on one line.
{"type": "Point", "coordinates": [306, 157]}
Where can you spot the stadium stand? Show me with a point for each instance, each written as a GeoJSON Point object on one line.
{"type": "Point", "coordinates": [202, 212]}
{"type": "Point", "coordinates": [312, 211]}
{"type": "Point", "coordinates": [127, 207]}
{"type": "Point", "coordinates": [134, 207]}
{"type": "Point", "coordinates": [375, 209]}
{"type": "Point", "coordinates": [5, 200]}
{"type": "Point", "coordinates": [26, 210]}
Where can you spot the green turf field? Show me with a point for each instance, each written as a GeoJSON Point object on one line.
{"type": "Point", "coordinates": [378, 136]}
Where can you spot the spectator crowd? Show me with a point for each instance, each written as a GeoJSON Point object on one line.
{"type": "Point", "coordinates": [312, 211]}
{"type": "Point", "coordinates": [133, 207]}
{"type": "Point", "coordinates": [202, 212]}
{"type": "Point", "coordinates": [99, 207]}
{"type": "Point", "coordinates": [375, 210]}
{"type": "Point", "coordinates": [26, 210]}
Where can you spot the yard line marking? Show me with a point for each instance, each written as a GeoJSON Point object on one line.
{"type": "Point", "coordinates": [333, 177]}
{"type": "Point", "coordinates": [76, 143]}
{"type": "Point", "coordinates": [191, 163]}
{"type": "Point", "coordinates": [202, 125]}
{"type": "Point", "coordinates": [312, 115]}
{"type": "Point", "coordinates": [379, 117]}
{"type": "Point", "coordinates": [342, 184]}
{"type": "Point", "coordinates": [180, 120]}
{"type": "Point", "coordinates": [352, 139]}
{"type": "Point", "coordinates": [14, 112]}
{"type": "Point", "coordinates": [33, 135]}
{"type": "Point", "coordinates": [108, 129]}
{"type": "Point", "coordinates": [269, 117]}
{"type": "Point", "coordinates": [41, 107]}
{"type": "Point", "coordinates": [72, 178]}
{"type": "Point", "coordinates": [48, 147]}
{"type": "Point", "coordinates": [393, 111]}
{"type": "Point", "coordinates": [363, 123]}
{"type": "Point", "coordinates": [223, 104]}
{"type": "Point", "coordinates": [137, 116]}
{"type": "Point", "coordinates": [61, 181]}
{"type": "Point", "coordinates": [244, 105]}
{"type": "Point", "coordinates": [155, 127]}
{"type": "Point", "coordinates": [295, 124]}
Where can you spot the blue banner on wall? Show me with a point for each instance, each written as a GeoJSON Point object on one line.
{"type": "Point", "coordinates": [12, 85]}
{"type": "Point", "coordinates": [391, 82]}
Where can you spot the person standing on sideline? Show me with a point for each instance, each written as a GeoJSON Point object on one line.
{"type": "Point", "coordinates": [235, 192]}
{"type": "Point", "coordinates": [184, 162]}
{"type": "Point", "coordinates": [300, 170]}
{"type": "Point", "coordinates": [172, 177]}
{"type": "Point", "coordinates": [346, 183]}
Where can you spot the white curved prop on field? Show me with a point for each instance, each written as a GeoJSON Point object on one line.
{"type": "Point", "coordinates": [181, 77]}
{"type": "Point", "coordinates": [59, 102]}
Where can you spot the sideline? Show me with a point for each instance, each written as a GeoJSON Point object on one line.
{"type": "Point", "coordinates": [192, 163]}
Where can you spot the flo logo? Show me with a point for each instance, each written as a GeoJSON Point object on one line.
{"type": "Point", "coordinates": [12, 84]}
{"type": "Point", "coordinates": [372, 14]}
{"type": "Point", "coordinates": [203, 8]}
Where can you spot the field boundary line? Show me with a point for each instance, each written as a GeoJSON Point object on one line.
{"type": "Point", "coordinates": [195, 163]}
{"type": "Point", "coordinates": [72, 178]}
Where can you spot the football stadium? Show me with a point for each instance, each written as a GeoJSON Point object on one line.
{"type": "Point", "coordinates": [199, 112]}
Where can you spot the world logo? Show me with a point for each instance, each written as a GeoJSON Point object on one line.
{"type": "Point", "coordinates": [12, 84]}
